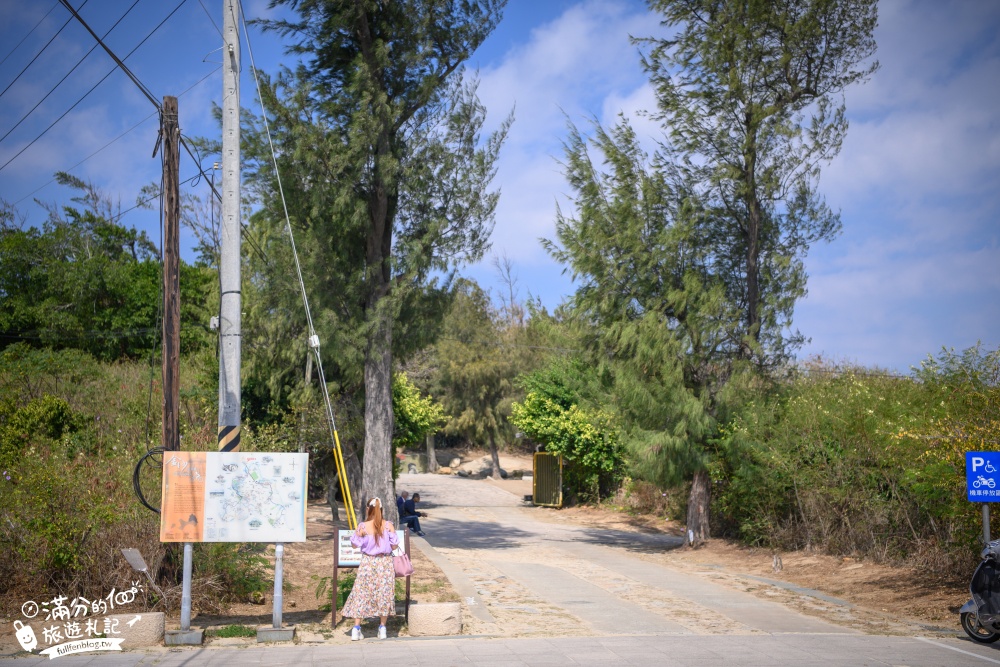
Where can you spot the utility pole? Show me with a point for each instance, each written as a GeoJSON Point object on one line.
{"type": "Point", "coordinates": [229, 266]}
{"type": "Point", "coordinates": [170, 135]}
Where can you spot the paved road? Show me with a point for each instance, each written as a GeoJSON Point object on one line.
{"type": "Point", "coordinates": [522, 576]}
{"type": "Point", "coordinates": [537, 593]}
{"type": "Point", "coordinates": [798, 650]}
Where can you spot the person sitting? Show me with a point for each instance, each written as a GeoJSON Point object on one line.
{"type": "Point", "coordinates": [400, 500]}
{"type": "Point", "coordinates": [410, 516]}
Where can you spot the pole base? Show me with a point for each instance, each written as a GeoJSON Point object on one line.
{"type": "Point", "coordinates": [272, 634]}
{"type": "Point", "coordinates": [184, 637]}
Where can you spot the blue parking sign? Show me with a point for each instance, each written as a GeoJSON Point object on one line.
{"type": "Point", "coordinates": [982, 476]}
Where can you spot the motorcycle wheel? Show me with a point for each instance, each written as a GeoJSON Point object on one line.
{"type": "Point", "coordinates": [970, 623]}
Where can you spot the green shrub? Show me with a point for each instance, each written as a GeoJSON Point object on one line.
{"type": "Point", "coordinates": [71, 432]}
{"type": "Point", "coordinates": [241, 569]}
{"type": "Point", "coordinates": [585, 438]}
{"type": "Point", "coordinates": [855, 461]}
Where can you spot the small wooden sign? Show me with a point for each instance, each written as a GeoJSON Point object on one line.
{"type": "Point", "coordinates": [350, 556]}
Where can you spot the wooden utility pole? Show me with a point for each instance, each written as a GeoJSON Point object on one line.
{"type": "Point", "coordinates": [170, 135]}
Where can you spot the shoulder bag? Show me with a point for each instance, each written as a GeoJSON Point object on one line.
{"type": "Point", "coordinates": [401, 564]}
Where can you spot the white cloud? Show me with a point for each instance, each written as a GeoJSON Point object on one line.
{"type": "Point", "coordinates": [580, 66]}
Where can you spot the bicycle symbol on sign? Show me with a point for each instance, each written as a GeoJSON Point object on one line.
{"type": "Point", "coordinates": [983, 481]}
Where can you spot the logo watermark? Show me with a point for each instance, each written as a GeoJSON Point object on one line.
{"type": "Point", "coordinates": [78, 625]}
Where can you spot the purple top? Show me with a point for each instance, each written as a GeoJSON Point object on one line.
{"type": "Point", "coordinates": [368, 545]}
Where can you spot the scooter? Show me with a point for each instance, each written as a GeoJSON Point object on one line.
{"type": "Point", "coordinates": [981, 615]}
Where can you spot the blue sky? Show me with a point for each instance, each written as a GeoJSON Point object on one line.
{"type": "Point", "coordinates": [915, 268]}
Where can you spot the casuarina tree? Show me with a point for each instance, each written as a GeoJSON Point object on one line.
{"type": "Point", "coordinates": [691, 262]}
{"type": "Point", "coordinates": [388, 176]}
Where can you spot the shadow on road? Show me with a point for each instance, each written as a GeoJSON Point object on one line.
{"type": "Point", "coordinates": [449, 533]}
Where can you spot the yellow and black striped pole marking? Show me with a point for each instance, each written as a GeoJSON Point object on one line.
{"type": "Point", "coordinates": [229, 438]}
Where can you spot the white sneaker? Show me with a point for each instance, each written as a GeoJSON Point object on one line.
{"type": "Point", "coordinates": [381, 632]}
{"type": "Point", "coordinates": [356, 634]}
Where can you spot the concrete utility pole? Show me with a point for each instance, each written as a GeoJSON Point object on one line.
{"type": "Point", "coordinates": [231, 303]}
{"type": "Point", "coordinates": [170, 136]}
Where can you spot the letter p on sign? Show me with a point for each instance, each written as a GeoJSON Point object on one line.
{"type": "Point", "coordinates": [977, 463]}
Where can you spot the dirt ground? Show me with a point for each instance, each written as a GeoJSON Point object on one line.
{"type": "Point", "coordinates": [868, 596]}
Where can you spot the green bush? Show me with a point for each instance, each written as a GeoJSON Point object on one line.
{"type": "Point", "coordinates": [71, 432]}
{"type": "Point", "coordinates": [585, 438]}
{"type": "Point", "coordinates": [856, 461]}
{"type": "Point", "coordinates": [242, 570]}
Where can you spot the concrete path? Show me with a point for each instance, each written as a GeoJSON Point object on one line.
{"type": "Point", "coordinates": [792, 650]}
{"type": "Point", "coordinates": [522, 576]}
{"type": "Point", "coordinates": [539, 593]}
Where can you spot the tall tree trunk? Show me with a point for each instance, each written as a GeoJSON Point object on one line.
{"type": "Point", "coordinates": [753, 230]}
{"type": "Point", "coordinates": [377, 475]}
{"type": "Point", "coordinates": [753, 276]}
{"type": "Point", "coordinates": [495, 455]}
{"type": "Point", "coordinates": [697, 514]}
{"type": "Point", "coordinates": [354, 480]}
{"type": "Point", "coordinates": [432, 462]}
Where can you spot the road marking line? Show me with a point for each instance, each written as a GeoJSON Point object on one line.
{"type": "Point", "coordinates": [952, 648]}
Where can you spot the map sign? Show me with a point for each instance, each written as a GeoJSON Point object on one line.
{"type": "Point", "coordinates": [982, 475]}
{"type": "Point", "coordinates": [234, 497]}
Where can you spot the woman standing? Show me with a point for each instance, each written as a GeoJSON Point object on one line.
{"type": "Point", "coordinates": [374, 591]}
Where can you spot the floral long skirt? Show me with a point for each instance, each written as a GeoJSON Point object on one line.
{"type": "Point", "coordinates": [374, 592]}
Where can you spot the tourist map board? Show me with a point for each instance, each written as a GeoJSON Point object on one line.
{"type": "Point", "coordinates": [234, 497]}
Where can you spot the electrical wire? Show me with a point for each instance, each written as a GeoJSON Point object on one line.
{"type": "Point", "coordinates": [85, 95]}
{"type": "Point", "coordinates": [18, 45]}
{"type": "Point", "coordinates": [66, 76]}
{"type": "Point", "coordinates": [149, 95]}
{"type": "Point", "coordinates": [136, 485]}
{"type": "Point", "coordinates": [152, 351]}
{"type": "Point", "coordinates": [313, 342]}
{"type": "Point", "coordinates": [43, 49]}
{"type": "Point", "coordinates": [111, 53]}
{"type": "Point", "coordinates": [151, 198]}
{"type": "Point", "coordinates": [244, 232]}
{"type": "Point", "coordinates": [51, 181]}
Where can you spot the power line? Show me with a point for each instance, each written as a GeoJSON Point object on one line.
{"type": "Point", "coordinates": [149, 95]}
{"type": "Point", "coordinates": [51, 181]}
{"type": "Point", "coordinates": [78, 63]}
{"type": "Point", "coordinates": [93, 334]}
{"type": "Point", "coordinates": [43, 49]}
{"type": "Point", "coordinates": [243, 228]}
{"type": "Point", "coordinates": [56, 4]}
{"type": "Point", "coordinates": [111, 53]}
{"type": "Point", "coordinates": [131, 76]}
{"type": "Point", "coordinates": [151, 198]}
